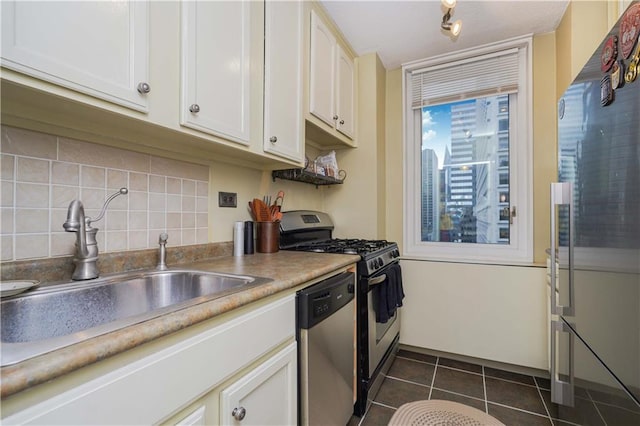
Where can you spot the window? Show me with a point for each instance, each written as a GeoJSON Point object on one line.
{"type": "Point", "coordinates": [467, 152]}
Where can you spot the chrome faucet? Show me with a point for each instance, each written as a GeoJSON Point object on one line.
{"type": "Point", "coordinates": [86, 256]}
{"type": "Point", "coordinates": [162, 260]}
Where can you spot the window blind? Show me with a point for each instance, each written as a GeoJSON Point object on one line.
{"type": "Point", "coordinates": [485, 75]}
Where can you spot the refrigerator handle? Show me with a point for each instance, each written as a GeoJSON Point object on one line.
{"type": "Point", "coordinates": [561, 194]}
{"type": "Point", "coordinates": [562, 391]}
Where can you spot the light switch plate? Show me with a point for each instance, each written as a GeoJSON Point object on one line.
{"type": "Point", "coordinates": [227, 199]}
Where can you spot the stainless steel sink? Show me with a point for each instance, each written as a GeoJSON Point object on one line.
{"type": "Point", "coordinates": [56, 316]}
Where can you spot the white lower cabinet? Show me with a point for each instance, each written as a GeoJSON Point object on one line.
{"type": "Point", "coordinates": [177, 382]}
{"type": "Point", "coordinates": [195, 418]}
{"type": "Point", "coordinates": [264, 396]}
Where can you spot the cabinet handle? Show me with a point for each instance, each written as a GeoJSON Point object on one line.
{"type": "Point", "coordinates": [341, 121]}
{"type": "Point", "coordinates": [238, 413]}
{"type": "Point", "coordinates": [273, 139]}
{"type": "Point", "coordinates": [195, 108]}
{"type": "Point", "coordinates": [144, 87]}
{"type": "Point", "coordinates": [335, 117]}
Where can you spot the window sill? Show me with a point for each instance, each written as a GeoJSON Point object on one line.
{"type": "Point", "coordinates": [475, 261]}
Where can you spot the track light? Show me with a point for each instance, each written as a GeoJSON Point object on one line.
{"type": "Point", "coordinates": [454, 27]}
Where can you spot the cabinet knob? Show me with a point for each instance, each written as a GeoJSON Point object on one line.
{"type": "Point", "coordinates": [335, 117]}
{"type": "Point", "coordinates": [273, 139]}
{"type": "Point", "coordinates": [195, 108]}
{"type": "Point", "coordinates": [341, 121]}
{"type": "Point", "coordinates": [238, 413]}
{"type": "Point", "coordinates": [144, 87]}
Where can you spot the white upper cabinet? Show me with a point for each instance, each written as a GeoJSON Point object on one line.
{"type": "Point", "coordinates": [97, 48]}
{"type": "Point", "coordinates": [283, 131]}
{"type": "Point", "coordinates": [331, 79]}
{"type": "Point", "coordinates": [322, 71]}
{"type": "Point", "coordinates": [215, 69]}
{"type": "Point", "coordinates": [345, 94]}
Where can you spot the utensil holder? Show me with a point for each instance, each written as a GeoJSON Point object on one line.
{"type": "Point", "coordinates": [268, 237]}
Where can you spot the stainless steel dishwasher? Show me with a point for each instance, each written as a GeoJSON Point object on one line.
{"type": "Point", "coordinates": [326, 350]}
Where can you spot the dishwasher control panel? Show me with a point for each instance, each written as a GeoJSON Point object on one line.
{"type": "Point", "coordinates": [321, 304]}
{"type": "Point", "coordinates": [321, 300]}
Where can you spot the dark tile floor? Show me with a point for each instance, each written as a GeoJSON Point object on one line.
{"type": "Point", "coordinates": [514, 399]}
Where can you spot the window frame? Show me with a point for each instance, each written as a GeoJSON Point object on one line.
{"type": "Point", "coordinates": [520, 249]}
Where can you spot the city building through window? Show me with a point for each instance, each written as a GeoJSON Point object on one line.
{"type": "Point", "coordinates": [468, 155]}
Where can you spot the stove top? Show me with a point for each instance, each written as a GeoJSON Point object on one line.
{"type": "Point", "coordinates": [345, 246]}
{"type": "Point", "coordinates": [375, 254]}
{"type": "Point", "coordinates": [307, 230]}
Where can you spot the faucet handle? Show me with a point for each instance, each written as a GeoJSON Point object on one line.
{"type": "Point", "coordinates": [162, 261]}
{"type": "Point", "coordinates": [122, 191]}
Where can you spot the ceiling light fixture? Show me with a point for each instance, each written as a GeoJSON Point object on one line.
{"type": "Point", "coordinates": [454, 27]}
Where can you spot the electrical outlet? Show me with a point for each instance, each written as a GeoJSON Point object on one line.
{"type": "Point", "coordinates": [227, 199]}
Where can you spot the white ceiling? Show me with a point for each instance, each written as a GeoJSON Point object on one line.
{"type": "Point", "coordinates": [405, 30]}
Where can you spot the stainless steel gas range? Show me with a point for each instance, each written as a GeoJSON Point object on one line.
{"type": "Point", "coordinates": [379, 293]}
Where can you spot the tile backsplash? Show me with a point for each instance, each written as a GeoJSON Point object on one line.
{"type": "Point", "coordinates": [41, 174]}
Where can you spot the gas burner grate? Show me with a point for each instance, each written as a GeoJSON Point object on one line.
{"type": "Point", "coordinates": [345, 246]}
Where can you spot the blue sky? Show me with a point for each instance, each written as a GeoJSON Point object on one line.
{"type": "Point", "coordinates": [436, 128]}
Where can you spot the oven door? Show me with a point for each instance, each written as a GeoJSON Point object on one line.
{"type": "Point", "coordinates": [381, 335]}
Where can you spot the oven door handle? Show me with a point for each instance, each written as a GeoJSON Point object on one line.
{"type": "Point", "coordinates": [376, 280]}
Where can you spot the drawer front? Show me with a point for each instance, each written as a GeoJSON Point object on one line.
{"type": "Point", "coordinates": [150, 389]}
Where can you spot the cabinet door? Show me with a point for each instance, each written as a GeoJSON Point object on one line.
{"type": "Point", "coordinates": [97, 48]}
{"type": "Point", "coordinates": [215, 68]}
{"type": "Point", "coordinates": [283, 79]}
{"type": "Point", "coordinates": [322, 71]}
{"type": "Point", "coordinates": [345, 94]}
{"type": "Point", "coordinates": [195, 418]}
{"type": "Point", "coordinates": [266, 395]}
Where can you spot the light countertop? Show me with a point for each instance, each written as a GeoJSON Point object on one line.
{"type": "Point", "coordinates": [288, 269]}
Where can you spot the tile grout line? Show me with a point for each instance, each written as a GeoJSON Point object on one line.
{"type": "Point", "coordinates": [519, 409]}
{"type": "Point", "coordinates": [433, 379]}
{"type": "Point", "coordinates": [608, 404]}
{"type": "Point", "coordinates": [382, 405]}
{"type": "Point", "coordinates": [399, 379]}
{"type": "Point", "coordinates": [484, 389]}
{"type": "Point", "coordinates": [484, 375]}
{"type": "Point", "coordinates": [459, 394]}
{"type": "Point", "coordinates": [473, 372]}
{"type": "Point", "coordinates": [596, 407]}
{"type": "Point", "coordinates": [544, 404]}
{"type": "Point", "coordinates": [415, 360]}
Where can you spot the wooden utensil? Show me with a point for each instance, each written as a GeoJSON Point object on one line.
{"type": "Point", "coordinates": [274, 211]}
{"type": "Point", "coordinates": [280, 197]}
{"type": "Point", "coordinates": [262, 211]}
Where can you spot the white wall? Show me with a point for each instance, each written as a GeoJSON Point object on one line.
{"type": "Point", "coordinates": [249, 184]}
{"type": "Point", "coordinates": [492, 312]}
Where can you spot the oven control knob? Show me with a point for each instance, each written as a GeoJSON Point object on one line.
{"type": "Point", "coordinates": [373, 264]}
{"type": "Point", "coordinates": [380, 262]}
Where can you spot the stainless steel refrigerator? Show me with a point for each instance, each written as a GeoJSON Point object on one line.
{"type": "Point", "coordinates": [595, 236]}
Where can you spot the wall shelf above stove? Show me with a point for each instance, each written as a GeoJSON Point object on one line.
{"type": "Point", "coordinates": [306, 176]}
